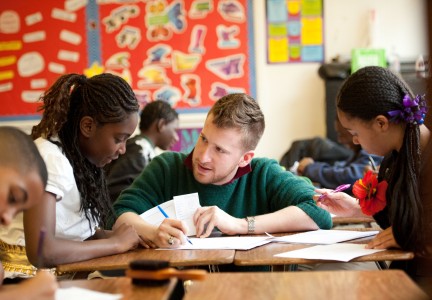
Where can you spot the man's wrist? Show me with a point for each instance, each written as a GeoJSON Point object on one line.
{"type": "Point", "coordinates": [250, 225]}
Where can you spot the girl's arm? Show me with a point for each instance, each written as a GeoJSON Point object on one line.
{"type": "Point", "coordinates": [60, 251]}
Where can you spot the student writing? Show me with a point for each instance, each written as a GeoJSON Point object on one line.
{"type": "Point", "coordinates": [23, 176]}
{"type": "Point", "coordinates": [84, 126]}
{"type": "Point", "coordinates": [383, 115]}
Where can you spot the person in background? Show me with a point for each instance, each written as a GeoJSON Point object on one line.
{"type": "Point", "coordinates": [383, 115]}
{"type": "Point", "coordinates": [239, 194]}
{"type": "Point", "coordinates": [341, 172]}
{"type": "Point", "coordinates": [23, 177]}
{"type": "Point", "coordinates": [84, 126]}
{"type": "Point", "coordinates": [158, 128]}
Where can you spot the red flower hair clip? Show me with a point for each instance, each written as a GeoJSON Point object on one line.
{"type": "Point", "coordinates": [371, 194]}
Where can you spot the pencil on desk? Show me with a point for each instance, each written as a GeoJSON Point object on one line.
{"type": "Point", "coordinates": [40, 262]}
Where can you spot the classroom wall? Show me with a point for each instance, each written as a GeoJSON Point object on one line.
{"type": "Point", "coordinates": [292, 95]}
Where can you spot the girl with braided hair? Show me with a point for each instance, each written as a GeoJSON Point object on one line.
{"type": "Point", "coordinates": [84, 126]}
{"type": "Point", "coordinates": [380, 111]}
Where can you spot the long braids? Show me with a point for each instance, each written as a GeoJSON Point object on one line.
{"type": "Point", "coordinates": [107, 99]}
{"type": "Point", "coordinates": [374, 91]}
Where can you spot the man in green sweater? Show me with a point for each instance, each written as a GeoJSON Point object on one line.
{"type": "Point", "coordinates": [239, 194]}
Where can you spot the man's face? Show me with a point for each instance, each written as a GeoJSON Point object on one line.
{"type": "Point", "coordinates": [18, 192]}
{"type": "Point", "coordinates": [218, 154]}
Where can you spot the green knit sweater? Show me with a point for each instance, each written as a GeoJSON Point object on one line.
{"type": "Point", "coordinates": [266, 189]}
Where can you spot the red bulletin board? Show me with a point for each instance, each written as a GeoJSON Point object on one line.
{"type": "Point", "coordinates": [188, 53]}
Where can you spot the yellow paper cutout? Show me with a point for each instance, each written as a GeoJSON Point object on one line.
{"type": "Point", "coordinates": [5, 75]}
{"type": "Point", "coordinates": [10, 46]}
{"type": "Point", "coordinates": [185, 62]}
{"type": "Point", "coordinates": [278, 50]}
{"type": "Point", "coordinates": [95, 69]}
{"type": "Point", "coordinates": [7, 60]}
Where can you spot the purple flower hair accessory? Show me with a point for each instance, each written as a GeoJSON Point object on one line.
{"type": "Point", "coordinates": [414, 110]}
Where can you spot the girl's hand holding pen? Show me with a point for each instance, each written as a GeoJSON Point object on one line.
{"type": "Point", "coordinates": [340, 188]}
{"type": "Point", "coordinates": [337, 203]}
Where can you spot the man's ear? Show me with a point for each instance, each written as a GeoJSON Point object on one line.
{"type": "Point", "coordinates": [246, 158]}
{"type": "Point", "coordinates": [87, 126]}
{"type": "Point", "coordinates": [160, 125]}
{"type": "Point", "coordinates": [382, 122]}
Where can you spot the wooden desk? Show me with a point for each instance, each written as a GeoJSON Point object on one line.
{"type": "Point", "coordinates": [123, 286]}
{"type": "Point", "coordinates": [388, 284]}
{"type": "Point", "coordinates": [360, 220]}
{"type": "Point", "coordinates": [264, 255]}
{"type": "Point", "coordinates": [177, 258]}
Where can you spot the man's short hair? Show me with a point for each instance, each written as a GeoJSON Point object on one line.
{"type": "Point", "coordinates": [242, 112]}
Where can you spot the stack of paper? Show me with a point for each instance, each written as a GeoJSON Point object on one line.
{"type": "Point", "coordinates": [331, 248]}
{"type": "Point", "coordinates": [324, 236]}
{"type": "Point", "coordinates": [338, 252]}
{"type": "Point", "coordinates": [181, 207]}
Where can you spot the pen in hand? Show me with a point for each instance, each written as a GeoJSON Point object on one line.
{"type": "Point", "coordinates": [166, 216]}
{"type": "Point", "coordinates": [372, 163]}
{"type": "Point", "coordinates": [340, 188]}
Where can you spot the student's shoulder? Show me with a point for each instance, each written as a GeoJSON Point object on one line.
{"type": "Point", "coordinates": [55, 160]}
{"type": "Point", "coordinates": [170, 157]}
{"type": "Point", "coordinates": [47, 147]}
{"type": "Point", "coordinates": [265, 162]}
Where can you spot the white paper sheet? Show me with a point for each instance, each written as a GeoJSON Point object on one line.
{"type": "Point", "coordinates": [226, 242]}
{"type": "Point", "coordinates": [338, 252]}
{"type": "Point", "coordinates": [74, 293]}
{"type": "Point", "coordinates": [181, 207]}
{"type": "Point", "coordinates": [324, 236]}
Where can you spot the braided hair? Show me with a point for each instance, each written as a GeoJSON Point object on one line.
{"type": "Point", "coordinates": [373, 91]}
{"type": "Point", "coordinates": [106, 98]}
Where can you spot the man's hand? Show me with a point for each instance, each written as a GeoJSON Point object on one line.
{"type": "Point", "coordinates": [208, 217]}
{"type": "Point", "coordinates": [171, 233]}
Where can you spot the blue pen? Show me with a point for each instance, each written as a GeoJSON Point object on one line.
{"type": "Point", "coordinates": [166, 216]}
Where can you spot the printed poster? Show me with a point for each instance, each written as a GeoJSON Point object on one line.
{"type": "Point", "coordinates": [294, 31]}
{"type": "Point", "coordinates": [188, 53]}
